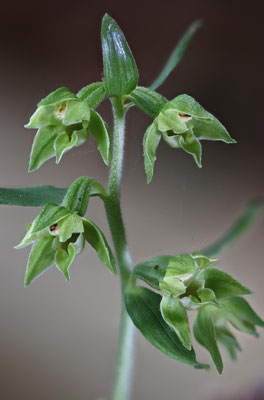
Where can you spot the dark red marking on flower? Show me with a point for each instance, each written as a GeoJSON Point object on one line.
{"type": "Point", "coordinates": [53, 227]}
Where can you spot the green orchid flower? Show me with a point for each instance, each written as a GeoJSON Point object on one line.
{"type": "Point", "coordinates": [59, 232]}
{"type": "Point", "coordinates": [189, 282]}
{"type": "Point", "coordinates": [64, 121]}
{"type": "Point", "coordinates": [182, 123]}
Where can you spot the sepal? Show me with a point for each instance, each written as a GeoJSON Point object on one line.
{"type": "Point", "coordinates": [149, 101]}
{"type": "Point", "coordinates": [92, 94]}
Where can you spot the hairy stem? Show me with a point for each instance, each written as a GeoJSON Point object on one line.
{"type": "Point", "coordinates": [124, 364]}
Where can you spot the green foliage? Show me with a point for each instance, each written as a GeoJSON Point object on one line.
{"type": "Point", "coordinates": [186, 282]}
{"type": "Point", "coordinates": [120, 70]}
{"type": "Point", "coordinates": [143, 306]}
{"type": "Point", "coordinates": [176, 55]}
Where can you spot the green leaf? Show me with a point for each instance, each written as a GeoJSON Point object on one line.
{"type": "Point", "coordinates": [43, 147]}
{"type": "Point", "coordinates": [41, 257]}
{"type": "Point", "coordinates": [228, 340]}
{"type": "Point", "coordinates": [152, 271]}
{"type": "Point", "coordinates": [147, 100]}
{"type": "Point", "coordinates": [241, 225]}
{"type": "Point", "coordinates": [32, 196]}
{"type": "Point", "coordinates": [50, 215]}
{"type": "Point", "coordinates": [65, 258]}
{"type": "Point", "coordinates": [221, 283]}
{"type": "Point", "coordinates": [92, 94]}
{"type": "Point", "coordinates": [69, 225]}
{"type": "Point", "coordinates": [97, 240]}
{"type": "Point", "coordinates": [176, 317]}
{"type": "Point", "coordinates": [101, 134]}
{"type": "Point", "coordinates": [57, 96]}
{"type": "Point", "coordinates": [77, 197]}
{"type": "Point", "coordinates": [150, 143]}
{"type": "Point", "coordinates": [204, 333]}
{"type": "Point", "coordinates": [191, 145]}
{"type": "Point", "coordinates": [239, 313]}
{"type": "Point", "coordinates": [65, 142]}
{"type": "Point", "coordinates": [120, 70]}
{"type": "Point", "coordinates": [143, 307]}
{"type": "Point", "coordinates": [176, 55]}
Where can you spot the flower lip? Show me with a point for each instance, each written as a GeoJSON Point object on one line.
{"type": "Point", "coordinates": [184, 117]}
{"type": "Point", "coordinates": [60, 110]}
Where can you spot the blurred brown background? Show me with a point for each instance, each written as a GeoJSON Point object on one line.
{"type": "Point", "coordinates": [58, 340]}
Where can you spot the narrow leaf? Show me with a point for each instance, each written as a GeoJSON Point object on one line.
{"type": "Point", "coordinates": [41, 257]}
{"type": "Point", "coordinates": [176, 55]}
{"type": "Point", "coordinates": [97, 240]}
{"type": "Point", "coordinates": [143, 307]}
{"type": "Point", "coordinates": [240, 226]}
{"type": "Point", "coordinates": [150, 144]}
{"type": "Point", "coordinates": [92, 94]}
{"type": "Point", "coordinates": [221, 283]}
{"type": "Point", "coordinates": [120, 70]}
{"type": "Point", "coordinates": [32, 196]}
{"type": "Point", "coordinates": [147, 100]}
{"type": "Point", "coordinates": [42, 148]}
{"type": "Point", "coordinates": [176, 317]}
{"type": "Point", "coordinates": [101, 134]}
{"type": "Point", "coordinates": [204, 333]}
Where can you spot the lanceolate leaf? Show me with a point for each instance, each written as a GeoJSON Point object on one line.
{"type": "Point", "coordinates": [32, 196]}
{"type": "Point", "coordinates": [101, 134]}
{"type": "Point", "coordinates": [143, 306]}
{"type": "Point", "coordinates": [92, 94]}
{"type": "Point", "coordinates": [204, 333]}
{"type": "Point", "coordinates": [97, 240]}
{"type": "Point", "coordinates": [150, 143]}
{"type": "Point", "coordinates": [41, 257]}
{"type": "Point", "coordinates": [147, 100]}
{"type": "Point", "coordinates": [240, 226]}
{"type": "Point", "coordinates": [176, 55]}
{"type": "Point", "coordinates": [120, 70]}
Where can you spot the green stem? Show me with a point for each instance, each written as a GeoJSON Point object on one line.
{"type": "Point", "coordinates": [124, 364]}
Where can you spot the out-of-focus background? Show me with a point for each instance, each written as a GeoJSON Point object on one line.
{"type": "Point", "coordinates": [58, 340]}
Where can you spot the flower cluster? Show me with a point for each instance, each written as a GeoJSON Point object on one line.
{"type": "Point", "coordinates": [59, 233]}
{"type": "Point", "coordinates": [190, 282]}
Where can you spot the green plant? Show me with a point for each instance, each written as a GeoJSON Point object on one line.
{"type": "Point", "coordinates": [59, 233]}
